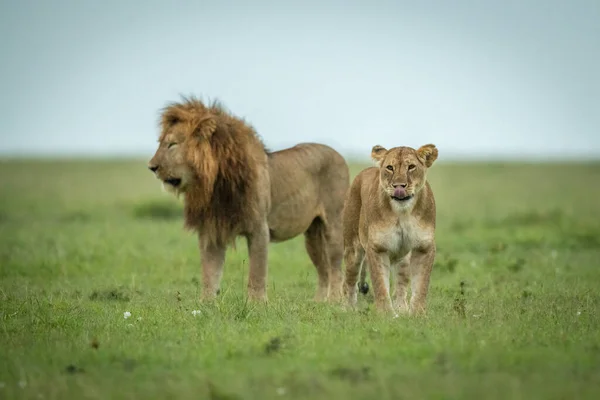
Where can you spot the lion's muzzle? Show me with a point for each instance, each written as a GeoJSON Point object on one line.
{"type": "Point", "coordinates": [175, 182]}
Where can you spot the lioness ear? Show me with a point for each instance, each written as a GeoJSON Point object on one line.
{"type": "Point", "coordinates": [377, 153]}
{"type": "Point", "coordinates": [428, 154]}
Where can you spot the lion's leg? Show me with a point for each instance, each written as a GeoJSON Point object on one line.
{"type": "Point", "coordinates": [212, 258]}
{"type": "Point", "coordinates": [335, 244]}
{"type": "Point", "coordinates": [402, 279]}
{"type": "Point", "coordinates": [353, 258]}
{"type": "Point", "coordinates": [316, 246]}
{"type": "Point", "coordinates": [379, 268]}
{"type": "Point", "coordinates": [421, 266]}
{"type": "Point", "coordinates": [258, 244]}
{"type": "Point", "coordinates": [363, 286]}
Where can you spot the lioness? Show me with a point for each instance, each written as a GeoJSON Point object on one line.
{"type": "Point", "coordinates": [233, 186]}
{"type": "Point", "coordinates": [389, 217]}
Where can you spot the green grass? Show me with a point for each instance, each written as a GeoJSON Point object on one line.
{"type": "Point", "coordinates": [83, 242]}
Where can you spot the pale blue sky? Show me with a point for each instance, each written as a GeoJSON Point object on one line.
{"type": "Point", "coordinates": [477, 78]}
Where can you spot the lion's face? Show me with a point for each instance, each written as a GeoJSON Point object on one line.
{"type": "Point", "coordinates": [169, 163]}
{"type": "Point", "coordinates": [403, 171]}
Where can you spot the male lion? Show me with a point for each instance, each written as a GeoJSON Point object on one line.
{"type": "Point", "coordinates": [232, 186]}
{"type": "Point", "coordinates": [389, 216]}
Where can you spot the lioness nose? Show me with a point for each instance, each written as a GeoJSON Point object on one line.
{"type": "Point", "coordinates": [152, 168]}
{"type": "Point", "coordinates": [403, 185]}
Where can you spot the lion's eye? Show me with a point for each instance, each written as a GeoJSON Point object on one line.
{"type": "Point", "coordinates": [390, 168]}
{"type": "Point", "coordinates": [411, 167]}
{"type": "Point", "coordinates": [171, 145]}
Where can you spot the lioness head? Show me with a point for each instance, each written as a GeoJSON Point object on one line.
{"type": "Point", "coordinates": [184, 158]}
{"type": "Point", "coordinates": [403, 170]}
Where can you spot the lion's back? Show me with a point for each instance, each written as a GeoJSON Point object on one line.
{"type": "Point", "coordinates": [309, 163]}
{"type": "Point", "coordinates": [313, 157]}
{"type": "Point", "coordinates": [307, 180]}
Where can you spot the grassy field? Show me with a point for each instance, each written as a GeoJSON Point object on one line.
{"type": "Point", "coordinates": [513, 306]}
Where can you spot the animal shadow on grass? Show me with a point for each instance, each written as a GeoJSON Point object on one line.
{"type": "Point", "coordinates": [584, 240]}
{"type": "Point", "coordinates": [448, 264]}
{"type": "Point", "coordinates": [273, 345]}
{"type": "Point", "coordinates": [529, 218]}
{"type": "Point", "coordinates": [115, 294]}
{"type": "Point", "coordinates": [73, 369]}
{"type": "Point", "coordinates": [161, 210]}
{"type": "Point", "coordinates": [215, 393]}
{"type": "Point", "coordinates": [459, 305]}
{"type": "Point", "coordinates": [354, 375]}
{"type": "Point", "coordinates": [517, 265]}
{"type": "Point", "coordinates": [277, 343]}
{"type": "Point", "coordinates": [75, 216]}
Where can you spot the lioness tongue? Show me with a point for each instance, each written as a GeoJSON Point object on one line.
{"type": "Point", "coordinates": [400, 192]}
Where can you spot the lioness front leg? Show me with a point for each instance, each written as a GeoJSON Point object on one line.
{"type": "Point", "coordinates": [421, 265]}
{"type": "Point", "coordinates": [212, 260]}
{"type": "Point", "coordinates": [379, 268]}
{"type": "Point", "coordinates": [258, 244]}
{"type": "Point", "coordinates": [402, 279]}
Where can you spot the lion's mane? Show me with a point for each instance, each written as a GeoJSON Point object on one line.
{"type": "Point", "coordinates": [226, 155]}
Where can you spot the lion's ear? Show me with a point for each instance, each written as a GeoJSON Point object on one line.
{"type": "Point", "coordinates": [428, 154]}
{"type": "Point", "coordinates": [205, 127]}
{"type": "Point", "coordinates": [169, 120]}
{"type": "Point", "coordinates": [171, 116]}
{"type": "Point", "coordinates": [377, 153]}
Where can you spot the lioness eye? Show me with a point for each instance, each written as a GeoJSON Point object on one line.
{"type": "Point", "coordinates": [171, 145]}
{"type": "Point", "coordinates": [411, 167]}
{"type": "Point", "coordinates": [390, 167]}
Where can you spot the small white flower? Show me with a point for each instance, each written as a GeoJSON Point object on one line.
{"type": "Point", "coordinates": [578, 312]}
{"type": "Point", "coordinates": [281, 391]}
{"type": "Point", "coordinates": [126, 314]}
{"type": "Point", "coordinates": [196, 312]}
{"type": "Point", "coordinates": [139, 318]}
{"type": "Point", "coordinates": [22, 383]}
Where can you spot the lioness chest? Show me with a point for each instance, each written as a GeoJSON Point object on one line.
{"type": "Point", "coordinates": [399, 237]}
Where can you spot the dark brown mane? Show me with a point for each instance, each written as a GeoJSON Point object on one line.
{"type": "Point", "coordinates": [226, 154]}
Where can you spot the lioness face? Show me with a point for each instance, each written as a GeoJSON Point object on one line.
{"type": "Point", "coordinates": [169, 163]}
{"type": "Point", "coordinates": [403, 170]}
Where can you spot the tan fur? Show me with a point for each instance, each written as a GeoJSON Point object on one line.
{"type": "Point", "coordinates": [232, 186]}
{"type": "Point", "coordinates": [387, 232]}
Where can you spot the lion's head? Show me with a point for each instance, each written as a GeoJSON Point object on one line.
{"type": "Point", "coordinates": [212, 158]}
{"type": "Point", "coordinates": [169, 163]}
{"type": "Point", "coordinates": [184, 157]}
{"type": "Point", "coordinates": [403, 170]}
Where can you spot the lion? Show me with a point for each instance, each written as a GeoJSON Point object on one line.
{"type": "Point", "coordinates": [389, 221]}
{"type": "Point", "coordinates": [233, 186]}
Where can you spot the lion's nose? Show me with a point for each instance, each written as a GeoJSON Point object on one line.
{"type": "Point", "coordinates": [395, 185]}
{"type": "Point", "coordinates": [152, 168]}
